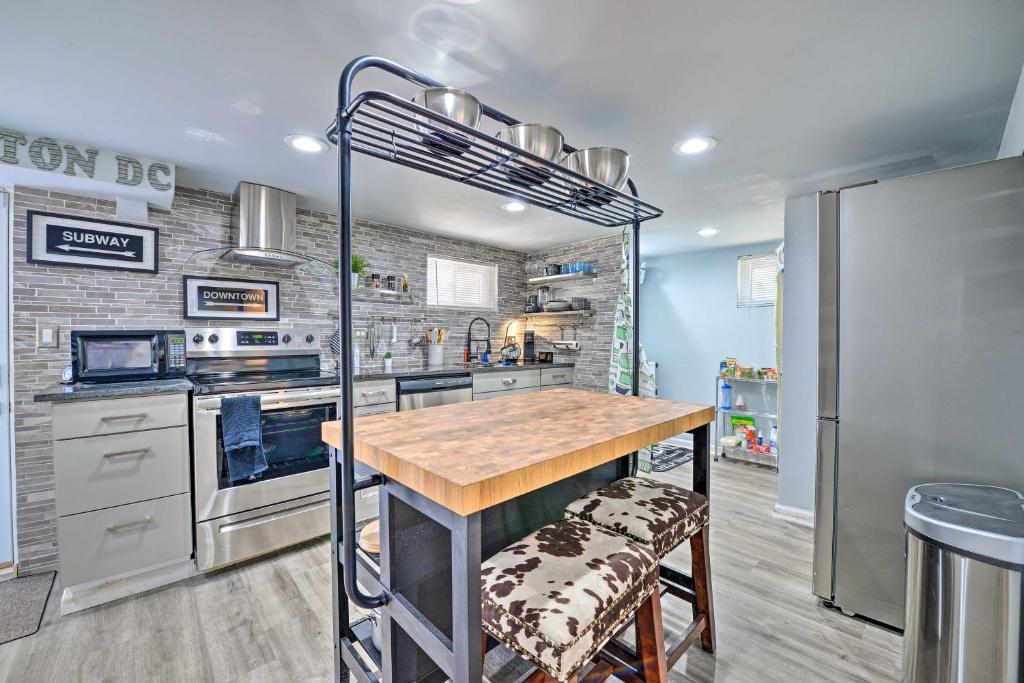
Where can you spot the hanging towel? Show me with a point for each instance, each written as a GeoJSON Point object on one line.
{"type": "Point", "coordinates": [243, 437]}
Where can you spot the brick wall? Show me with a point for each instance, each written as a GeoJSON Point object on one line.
{"type": "Point", "coordinates": [594, 333]}
{"type": "Point", "coordinates": [79, 298]}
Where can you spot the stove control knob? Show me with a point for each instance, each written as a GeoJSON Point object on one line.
{"type": "Point", "coordinates": [310, 338]}
{"type": "Point", "coordinates": [286, 338]}
{"type": "Point", "coordinates": [198, 339]}
{"type": "Point", "coordinates": [214, 339]}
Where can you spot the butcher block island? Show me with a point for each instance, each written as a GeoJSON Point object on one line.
{"type": "Point", "coordinates": [459, 483]}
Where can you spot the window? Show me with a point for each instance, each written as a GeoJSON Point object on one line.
{"type": "Point", "coordinates": [461, 285]}
{"type": "Point", "coordinates": [755, 280]}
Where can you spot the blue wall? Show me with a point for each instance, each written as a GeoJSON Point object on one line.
{"type": "Point", "coordinates": [689, 320]}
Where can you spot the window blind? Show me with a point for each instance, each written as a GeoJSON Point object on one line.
{"type": "Point", "coordinates": [459, 284]}
{"type": "Point", "coordinates": [755, 280]}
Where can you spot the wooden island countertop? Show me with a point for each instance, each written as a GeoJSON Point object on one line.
{"type": "Point", "coordinates": [470, 456]}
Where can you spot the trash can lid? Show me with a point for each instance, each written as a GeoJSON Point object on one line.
{"type": "Point", "coordinates": [984, 521]}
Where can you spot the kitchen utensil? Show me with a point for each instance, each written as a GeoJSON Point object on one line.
{"type": "Point", "coordinates": [536, 138]}
{"type": "Point", "coordinates": [605, 165]}
{"type": "Point", "coordinates": [391, 283]}
{"type": "Point", "coordinates": [557, 306]}
{"type": "Point", "coordinates": [543, 296]}
{"type": "Point", "coordinates": [552, 269]}
{"type": "Point", "coordinates": [375, 278]}
{"type": "Point", "coordinates": [580, 303]}
{"type": "Point", "coordinates": [457, 105]}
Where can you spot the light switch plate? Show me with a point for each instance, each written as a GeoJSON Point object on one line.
{"type": "Point", "coordinates": [47, 335]}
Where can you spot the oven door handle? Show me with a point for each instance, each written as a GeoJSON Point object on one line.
{"type": "Point", "coordinates": [269, 400]}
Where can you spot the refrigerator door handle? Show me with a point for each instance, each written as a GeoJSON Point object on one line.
{"type": "Point", "coordinates": [823, 577]}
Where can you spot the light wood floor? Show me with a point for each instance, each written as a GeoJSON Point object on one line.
{"type": "Point", "coordinates": [271, 620]}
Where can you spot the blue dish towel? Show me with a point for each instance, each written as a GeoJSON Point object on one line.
{"type": "Point", "coordinates": [243, 437]}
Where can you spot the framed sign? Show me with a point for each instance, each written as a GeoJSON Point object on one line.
{"type": "Point", "coordinates": [59, 240]}
{"type": "Point", "coordinates": [227, 298]}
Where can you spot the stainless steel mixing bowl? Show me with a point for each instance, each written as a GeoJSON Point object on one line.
{"type": "Point", "coordinates": [536, 138]}
{"type": "Point", "coordinates": [457, 105]}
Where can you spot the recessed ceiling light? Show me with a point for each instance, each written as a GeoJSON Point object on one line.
{"type": "Point", "coordinates": [707, 232]}
{"type": "Point", "coordinates": [697, 145]}
{"type": "Point", "coordinates": [515, 206]}
{"type": "Point", "coordinates": [306, 143]}
{"type": "Point", "coordinates": [463, 2]}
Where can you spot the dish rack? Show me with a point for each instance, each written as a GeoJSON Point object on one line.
{"type": "Point", "coordinates": [391, 128]}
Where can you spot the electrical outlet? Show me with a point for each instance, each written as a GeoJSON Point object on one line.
{"type": "Point", "coordinates": [47, 335]}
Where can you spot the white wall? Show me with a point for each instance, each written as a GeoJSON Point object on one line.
{"type": "Point", "coordinates": [689, 320]}
{"type": "Point", "coordinates": [798, 417]}
{"type": "Point", "coordinates": [1013, 136]}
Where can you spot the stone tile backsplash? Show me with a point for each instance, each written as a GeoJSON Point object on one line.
{"type": "Point", "coordinates": [80, 298]}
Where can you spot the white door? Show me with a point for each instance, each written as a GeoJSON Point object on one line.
{"type": "Point", "coordinates": [6, 459]}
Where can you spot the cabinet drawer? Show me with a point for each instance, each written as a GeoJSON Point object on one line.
{"type": "Point", "coordinates": [103, 471]}
{"type": "Point", "coordinates": [104, 543]}
{"type": "Point", "coordinates": [373, 410]}
{"type": "Point", "coordinates": [373, 393]}
{"type": "Point", "coordinates": [502, 394]}
{"type": "Point", "coordinates": [118, 415]}
{"type": "Point", "coordinates": [550, 377]}
{"type": "Point", "coordinates": [505, 381]}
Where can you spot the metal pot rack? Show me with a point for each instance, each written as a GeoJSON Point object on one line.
{"type": "Point", "coordinates": [388, 127]}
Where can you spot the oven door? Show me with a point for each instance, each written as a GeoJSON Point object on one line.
{"type": "Point", "coordinates": [113, 356]}
{"type": "Point", "coordinates": [296, 454]}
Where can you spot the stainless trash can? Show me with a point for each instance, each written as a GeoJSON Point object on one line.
{"type": "Point", "coordinates": [965, 560]}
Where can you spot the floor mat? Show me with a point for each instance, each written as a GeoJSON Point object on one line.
{"type": "Point", "coordinates": [22, 602]}
{"type": "Point", "coordinates": [665, 458]}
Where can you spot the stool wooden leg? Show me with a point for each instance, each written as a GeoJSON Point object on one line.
{"type": "Point", "coordinates": [702, 586]}
{"type": "Point", "coordinates": [650, 644]}
{"type": "Point", "coordinates": [483, 652]}
{"type": "Point", "coordinates": [541, 676]}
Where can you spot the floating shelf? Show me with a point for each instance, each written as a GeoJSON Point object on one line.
{"type": "Point", "coordinates": [394, 129]}
{"type": "Point", "coordinates": [585, 313]}
{"type": "Point", "coordinates": [737, 453]}
{"type": "Point", "coordinates": [564, 277]}
{"type": "Point", "coordinates": [750, 413]}
{"type": "Point", "coordinates": [372, 294]}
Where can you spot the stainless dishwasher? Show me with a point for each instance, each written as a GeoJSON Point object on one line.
{"type": "Point", "coordinates": [431, 390]}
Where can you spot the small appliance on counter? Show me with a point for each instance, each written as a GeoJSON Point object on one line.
{"type": "Point", "coordinates": [531, 304]}
{"type": "Point", "coordinates": [126, 355]}
{"type": "Point", "coordinates": [545, 357]}
{"type": "Point", "coordinates": [529, 348]}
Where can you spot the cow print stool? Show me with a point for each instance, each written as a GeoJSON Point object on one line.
{"type": "Point", "coordinates": [660, 516]}
{"type": "Point", "coordinates": [559, 594]}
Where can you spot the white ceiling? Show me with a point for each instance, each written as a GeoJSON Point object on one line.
{"type": "Point", "coordinates": [801, 94]}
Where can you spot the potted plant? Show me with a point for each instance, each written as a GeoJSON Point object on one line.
{"type": "Point", "coordinates": [359, 267]}
{"type": "Point", "coordinates": [387, 361]}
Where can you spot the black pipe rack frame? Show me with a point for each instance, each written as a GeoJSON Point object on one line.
{"type": "Point", "coordinates": [388, 127]}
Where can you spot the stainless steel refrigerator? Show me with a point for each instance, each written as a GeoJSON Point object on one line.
{"type": "Point", "coordinates": [920, 363]}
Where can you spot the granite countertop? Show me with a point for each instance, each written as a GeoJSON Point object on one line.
{"type": "Point", "coordinates": [472, 368]}
{"type": "Point", "coordinates": [87, 392]}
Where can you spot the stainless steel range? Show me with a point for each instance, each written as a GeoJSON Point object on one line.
{"type": "Point", "coordinates": [289, 502]}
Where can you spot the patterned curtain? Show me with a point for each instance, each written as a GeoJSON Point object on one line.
{"type": "Point", "coordinates": [620, 367]}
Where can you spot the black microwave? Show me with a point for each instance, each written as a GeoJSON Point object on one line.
{"type": "Point", "coordinates": [123, 355]}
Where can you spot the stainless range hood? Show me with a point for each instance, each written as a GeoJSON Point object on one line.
{"type": "Point", "coordinates": [263, 232]}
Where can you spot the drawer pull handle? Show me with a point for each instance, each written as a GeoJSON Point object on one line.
{"type": "Point", "coordinates": [375, 392]}
{"type": "Point", "coordinates": [114, 418]}
{"type": "Point", "coordinates": [137, 452]}
{"type": "Point", "coordinates": [145, 521]}
{"type": "Point", "coordinates": [508, 381]}
{"type": "Point", "coordinates": [557, 376]}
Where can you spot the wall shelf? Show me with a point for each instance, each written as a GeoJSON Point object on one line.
{"type": "Point", "coordinates": [750, 379]}
{"type": "Point", "coordinates": [585, 313]}
{"type": "Point", "coordinates": [564, 277]}
{"type": "Point", "coordinates": [749, 413]}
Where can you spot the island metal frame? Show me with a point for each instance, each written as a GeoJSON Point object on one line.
{"type": "Point", "coordinates": [393, 129]}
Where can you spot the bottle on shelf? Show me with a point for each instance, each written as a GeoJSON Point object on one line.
{"type": "Point", "coordinates": [773, 439]}
{"type": "Point", "coordinates": [726, 396]}
{"type": "Point", "coordinates": [760, 438]}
